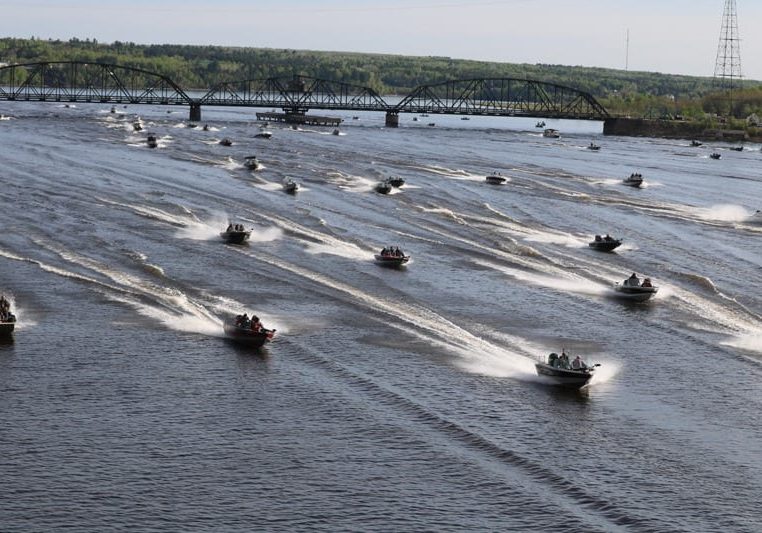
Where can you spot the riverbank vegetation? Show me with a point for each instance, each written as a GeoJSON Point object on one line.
{"type": "Point", "coordinates": [625, 93]}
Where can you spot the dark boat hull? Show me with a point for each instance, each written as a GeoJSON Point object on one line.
{"type": "Point", "coordinates": [637, 294]}
{"type": "Point", "coordinates": [383, 188]}
{"type": "Point", "coordinates": [235, 237]}
{"type": "Point", "coordinates": [6, 328]}
{"type": "Point", "coordinates": [396, 182]}
{"type": "Point", "coordinates": [255, 339]}
{"type": "Point", "coordinates": [605, 246]}
{"type": "Point", "coordinates": [566, 378]}
{"type": "Point", "coordinates": [392, 261]}
{"type": "Point", "coordinates": [495, 180]}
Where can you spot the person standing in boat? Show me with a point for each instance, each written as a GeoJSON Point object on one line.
{"type": "Point", "coordinates": [633, 280]}
{"type": "Point", "coordinates": [563, 361]}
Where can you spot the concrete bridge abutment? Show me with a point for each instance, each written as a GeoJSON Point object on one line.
{"type": "Point", "coordinates": [392, 119]}
{"type": "Point", "coordinates": [195, 112]}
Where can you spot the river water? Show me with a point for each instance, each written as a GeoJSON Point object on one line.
{"type": "Point", "coordinates": [392, 400]}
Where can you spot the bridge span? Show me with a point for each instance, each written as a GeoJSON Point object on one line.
{"type": "Point", "coordinates": [80, 82]}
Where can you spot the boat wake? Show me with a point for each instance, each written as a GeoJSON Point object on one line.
{"type": "Point", "coordinates": [560, 281]}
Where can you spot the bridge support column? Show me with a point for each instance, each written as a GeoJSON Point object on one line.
{"type": "Point", "coordinates": [392, 119]}
{"type": "Point", "coordinates": [195, 112]}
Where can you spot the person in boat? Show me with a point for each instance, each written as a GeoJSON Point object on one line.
{"type": "Point", "coordinates": [597, 238]}
{"type": "Point", "coordinates": [633, 280]}
{"type": "Point", "coordinates": [230, 227]}
{"type": "Point", "coordinates": [578, 364]}
{"type": "Point", "coordinates": [608, 238]}
{"type": "Point", "coordinates": [256, 325]}
{"type": "Point", "coordinates": [553, 359]}
{"type": "Point", "coordinates": [647, 283]}
{"type": "Point", "coordinates": [563, 361]}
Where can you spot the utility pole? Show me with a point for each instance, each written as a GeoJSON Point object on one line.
{"type": "Point", "coordinates": [627, 51]}
{"type": "Point", "coordinates": [727, 68]}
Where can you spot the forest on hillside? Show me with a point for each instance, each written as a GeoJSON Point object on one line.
{"type": "Point", "coordinates": [201, 67]}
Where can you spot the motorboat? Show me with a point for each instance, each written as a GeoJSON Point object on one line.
{"type": "Point", "coordinates": [252, 163]}
{"type": "Point", "coordinates": [496, 179]}
{"type": "Point", "coordinates": [737, 148]}
{"type": "Point", "coordinates": [594, 147]}
{"type": "Point", "coordinates": [634, 180]}
{"type": "Point", "coordinates": [355, 117]}
{"type": "Point", "coordinates": [715, 155]}
{"type": "Point", "coordinates": [432, 124]}
{"type": "Point", "coordinates": [226, 142]}
{"type": "Point", "coordinates": [633, 289]}
{"type": "Point", "coordinates": [206, 127]}
{"type": "Point", "coordinates": [392, 256]}
{"type": "Point", "coordinates": [562, 373]}
{"type": "Point", "coordinates": [383, 187]}
{"type": "Point", "coordinates": [263, 135]}
{"type": "Point", "coordinates": [465, 118]}
{"type": "Point", "coordinates": [415, 119]}
{"type": "Point", "coordinates": [551, 133]}
{"type": "Point", "coordinates": [540, 124]}
{"type": "Point", "coordinates": [137, 125]}
{"type": "Point", "coordinates": [152, 141]}
{"type": "Point", "coordinates": [396, 181]}
{"type": "Point", "coordinates": [192, 125]}
{"type": "Point", "coordinates": [113, 109]}
{"type": "Point", "coordinates": [695, 143]}
{"type": "Point", "coordinates": [248, 331]}
{"type": "Point", "coordinates": [336, 132]}
{"type": "Point", "coordinates": [290, 186]}
{"type": "Point", "coordinates": [604, 244]}
{"type": "Point", "coordinates": [7, 318]}
{"type": "Point", "coordinates": [235, 234]}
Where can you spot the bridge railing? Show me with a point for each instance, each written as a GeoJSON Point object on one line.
{"type": "Point", "coordinates": [298, 92]}
{"type": "Point", "coordinates": [75, 81]}
{"type": "Point", "coordinates": [502, 97]}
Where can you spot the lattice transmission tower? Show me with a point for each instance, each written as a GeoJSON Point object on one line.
{"type": "Point", "coordinates": [727, 68]}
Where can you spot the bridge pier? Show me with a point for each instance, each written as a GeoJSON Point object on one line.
{"type": "Point", "coordinates": [195, 112]}
{"type": "Point", "coordinates": [392, 119]}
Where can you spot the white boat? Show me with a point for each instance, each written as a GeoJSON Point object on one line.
{"type": "Point", "coordinates": [633, 289]}
{"type": "Point", "coordinates": [551, 133]}
{"type": "Point", "coordinates": [560, 372]}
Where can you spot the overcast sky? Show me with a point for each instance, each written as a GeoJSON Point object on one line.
{"type": "Point", "coordinates": [673, 36]}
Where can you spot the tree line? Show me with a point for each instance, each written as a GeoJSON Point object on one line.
{"type": "Point", "coordinates": [202, 67]}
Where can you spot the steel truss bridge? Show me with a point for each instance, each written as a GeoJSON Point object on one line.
{"type": "Point", "coordinates": [79, 82]}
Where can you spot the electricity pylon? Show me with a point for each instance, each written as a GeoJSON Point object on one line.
{"type": "Point", "coordinates": [727, 68]}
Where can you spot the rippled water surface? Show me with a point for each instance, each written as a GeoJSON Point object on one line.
{"type": "Point", "coordinates": [390, 399]}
